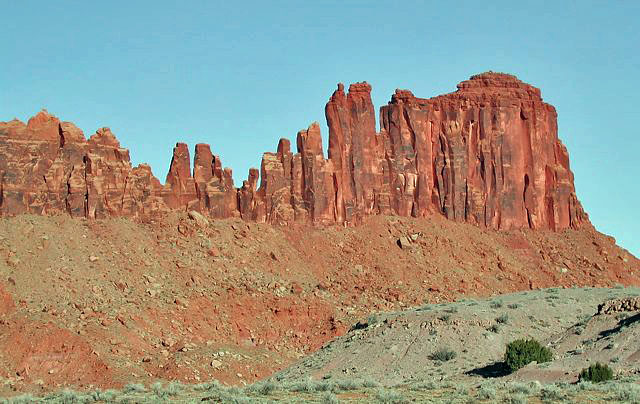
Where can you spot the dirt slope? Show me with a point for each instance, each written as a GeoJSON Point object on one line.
{"type": "Point", "coordinates": [401, 347]}
{"type": "Point", "coordinates": [194, 300]}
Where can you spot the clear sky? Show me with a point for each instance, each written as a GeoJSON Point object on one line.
{"type": "Point", "coordinates": [241, 75]}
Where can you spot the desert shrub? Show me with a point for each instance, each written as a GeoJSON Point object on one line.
{"type": "Point", "coordinates": [625, 392]}
{"type": "Point", "coordinates": [306, 386]}
{"type": "Point", "coordinates": [372, 319]}
{"type": "Point", "coordinates": [430, 385]}
{"type": "Point", "coordinates": [134, 388]}
{"type": "Point", "coordinates": [68, 397]}
{"type": "Point", "coordinates": [622, 316]}
{"type": "Point", "coordinates": [329, 398]}
{"type": "Point", "coordinates": [596, 373]}
{"type": "Point", "coordinates": [445, 317]}
{"type": "Point", "coordinates": [496, 304]}
{"type": "Point", "coordinates": [443, 355]}
{"type": "Point", "coordinates": [513, 305]}
{"type": "Point", "coordinates": [503, 319]}
{"type": "Point", "coordinates": [158, 390]}
{"type": "Point", "coordinates": [209, 386]}
{"type": "Point", "coordinates": [521, 388]}
{"type": "Point", "coordinates": [107, 395]}
{"type": "Point", "coordinates": [462, 390]}
{"type": "Point", "coordinates": [174, 388]}
{"type": "Point", "coordinates": [521, 352]}
{"type": "Point", "coordinates": [495, 328]}
{"type": "Point", "coordinates": [23, 399]}
{"type": "Point", "coordinates": [389, 396]}
{"type": "Point", "coordinates": [551, 394]}
{"type": "Point", "coordinates": [264, 388]}
{"type": "Point", "coordinates": [369, 382]}
{"type": "Point", "coordinates": [347, 384]}
{"type": "Point", "coordinates": [323, 385]}
{"type": "Point", "coordinates": [486, 392]}
{"type": "Point", "coordinates": [516, 399]}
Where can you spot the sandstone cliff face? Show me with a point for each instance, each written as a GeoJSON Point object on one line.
{"type": "Point", "coordinates": [487, 154]}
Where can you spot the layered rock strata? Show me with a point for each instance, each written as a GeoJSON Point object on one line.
{"type": "Point", "coordinates": [487, 154]}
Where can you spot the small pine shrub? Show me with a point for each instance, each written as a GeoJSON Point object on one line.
{"type": "Point", "coordinates": [596, 373]}
{"type": "Point", "coordinates": [521, 352]}
{"type": "Point", "coordinates": [443, 355]}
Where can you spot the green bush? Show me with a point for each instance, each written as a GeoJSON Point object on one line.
{"type": "Point", "coordinates": [521, 352]}
{"type": "Point", "coordinates": [596, 373]}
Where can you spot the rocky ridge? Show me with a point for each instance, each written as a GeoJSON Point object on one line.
{"type": "Point", "coordinates": [487, 154]}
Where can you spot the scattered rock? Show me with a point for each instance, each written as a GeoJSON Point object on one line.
{"type": "Point", "coordinates": [199, 218]}
{"type": "Point", "coordinates": [404, 242]}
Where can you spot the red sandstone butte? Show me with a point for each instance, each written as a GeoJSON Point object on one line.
{"type": "Point", "coordinates": [487, 154]}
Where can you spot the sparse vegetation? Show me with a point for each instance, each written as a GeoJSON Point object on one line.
{"type": "Point", "coordinates": [486, 392]}
{"type": "Point", "coordinates": [503, 319]}
{"type": "Point", "coordinates": [596, 373]}
{"type": "Point", "coordinates": [134, 388]}
{"type": "Point", "coordinates": [496, 304]}
{"type": "Point", "coordinates": [552, 394]}
{"type": "Point", "coordinates": [521, 352]}
{"type": "Point", "coordinates": [389, 397]}
{"type": "Point", "coordinates": [443, 355]}
{"type": "Point", "coordinates": [329, 398]}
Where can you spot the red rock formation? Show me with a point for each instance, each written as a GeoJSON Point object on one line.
{"type": "Point", "coordinates": [487, 154]}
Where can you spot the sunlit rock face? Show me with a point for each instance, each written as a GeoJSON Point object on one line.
{"type": "Point", "coordinates": [487, 154]}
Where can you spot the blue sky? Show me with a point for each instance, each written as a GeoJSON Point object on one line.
{"type": "Point", "coordinates": [240, 75]}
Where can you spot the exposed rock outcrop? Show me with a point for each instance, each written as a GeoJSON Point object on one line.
{"type": "Point", "coordinates": [487, 154]}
